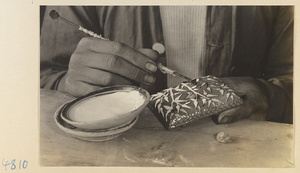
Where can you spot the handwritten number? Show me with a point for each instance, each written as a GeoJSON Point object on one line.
{"type": "Point", "coordinates": [13, 166]}
{"type": "Point", "coordinates": [25, 163]}
{"type": "Point", "coordinates": [6, 164]}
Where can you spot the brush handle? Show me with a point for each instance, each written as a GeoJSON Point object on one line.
{"type": "Point", "coordinates": [91, 33]}
{"type": "Point", "coordinates": [55, 15]}
{"type": "Point", "coordinates": [166, 70]}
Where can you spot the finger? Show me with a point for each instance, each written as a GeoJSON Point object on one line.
{"type": "Point", "coordinates": [79, 88]}
{"type": "Point", "coordinates": [116, 65]}
{"type": "Point", "coordinates": [116, 48]}
{"type": "Point", "coordinates": [241, 94]}
{"type": "Point", "coordinates": [232, 115]}
{"type": "Point", "coordinates": [150, 53]}
{"type": "Point", "coordinates": [101, 78]}
{"type": "Point", "coordinates": [253, 105]}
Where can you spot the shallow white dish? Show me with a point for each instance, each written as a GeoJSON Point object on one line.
{"type": "Point", "coordinates": [91, 135]}
{"type": "Point", "coordinates": [106, 108]}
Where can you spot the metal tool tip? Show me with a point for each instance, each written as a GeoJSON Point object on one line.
{"type": "Point", "coordinates": [54, 14]}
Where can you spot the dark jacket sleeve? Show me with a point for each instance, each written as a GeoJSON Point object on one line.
{"type": "Point", "coordinates": [279, 67]}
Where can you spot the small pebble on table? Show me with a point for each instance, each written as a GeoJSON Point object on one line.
{"type": "Point", "coordinates": [223, 137]}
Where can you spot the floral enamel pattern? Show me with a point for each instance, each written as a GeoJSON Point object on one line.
{"type": "Point", "coordinates": [188, 102]}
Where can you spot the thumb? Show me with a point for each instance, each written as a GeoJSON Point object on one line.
{"type": "Point", "coordinates": [240, 94]}
{"type": "Point", "coordinates": [152, 54]}
{"type": "Point", "coordinates": [231, 115]}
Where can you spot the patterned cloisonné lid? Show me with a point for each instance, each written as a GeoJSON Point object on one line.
{"type": "Point", "coordinates": [188, 102]}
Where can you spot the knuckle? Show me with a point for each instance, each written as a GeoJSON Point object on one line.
{"type": "Point", "coordinates": [138, 75]}
{"type": "Point", "coordinates": [111, 61]}
{"type": "Point", "coordinates": [79, 59]}
{"type": "Point", "coordinates": [75, 66]}
{"type": "Point", "coordinates": [84, 43]}
{"type": "Point", "coordinates": [135, 59]}
{"type": "Point", "coordinates": [119, 48]}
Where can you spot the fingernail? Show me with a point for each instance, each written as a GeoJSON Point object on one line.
{"type": "Point", "coordinates": [225, 119]}
{"type": "Point", "coordinates": [151, 67]}
{"type": "Point", "coordinates": [149, 78]}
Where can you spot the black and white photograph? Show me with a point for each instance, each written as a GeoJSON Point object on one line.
{"type": "Point", "coordinates": [149, 86]}
{"type": "Point", "coordinates": [167, 86]}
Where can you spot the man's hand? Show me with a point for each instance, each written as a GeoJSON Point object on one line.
{"type": "Point", "coordinates": [255, 100]}
{"type": "Point", "coordinates": [97, 63]}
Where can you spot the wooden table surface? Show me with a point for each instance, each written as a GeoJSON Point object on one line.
{"type": "Point", "coordinates": [148, 144]}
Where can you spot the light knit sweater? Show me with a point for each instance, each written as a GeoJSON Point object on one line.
{"type": "Point", "coordinates": [184, 35]}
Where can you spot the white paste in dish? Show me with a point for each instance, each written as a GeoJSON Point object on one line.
{"type": "Point", "coordinates": [108, 106]}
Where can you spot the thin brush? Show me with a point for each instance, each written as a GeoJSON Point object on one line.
{"type": "Point", "coordinates": [55, 15]}
{"type": "Point", "coordinates": [166, 70]}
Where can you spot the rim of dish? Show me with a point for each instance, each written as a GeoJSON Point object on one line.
{"type": "Point", "coordinates": [74, 131]}
{"type": "Point", "coordinates": [106, 90]}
